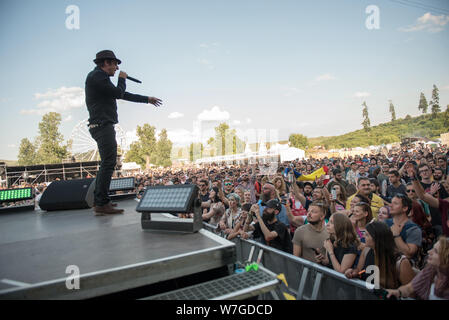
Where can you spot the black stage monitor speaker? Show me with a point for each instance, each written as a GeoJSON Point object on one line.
{"type": "Point", "coordinates": [68, 194]}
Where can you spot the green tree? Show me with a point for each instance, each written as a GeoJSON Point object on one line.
{"type": "Point", "coordinates": [298, 141]}
{"type": "Point", "coordinates": [392, 111]}
{"type": "Point", "coordinates": [423, 103]}
{"type": "Point", "coordinates": [49, 141]}
{"type": "Point", "coordinates": [227, 141]}
{"type": "Point", "coordinates": [163, 150]}
{"type": "Point", "coordinates": [435, 102]}
{"type": "Point", "coordinates": [366, 122]}
{"type": "Point", "coordinates": [220, 133]}
{"type": "Point", "coordinates": [195, 151]}
{"type": "Point", "coordinates": [27, 153]}
{"type": "Point", "coordinates": [143, 151]}
{"type": "Point", "coordinates": [211, 143]}
{"type": "Point", "coordinates": [446, 117]}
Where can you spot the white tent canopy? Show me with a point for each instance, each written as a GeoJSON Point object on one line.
{"type": "Point", "coordinates": [130, 166]}
{"type": "Point", "coordinates": [287, 153]}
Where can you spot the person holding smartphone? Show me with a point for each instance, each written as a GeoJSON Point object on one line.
{"type": "Point", "coordinates": [308, 239]}
{"type": "Point", "coordinates": [338, 198]}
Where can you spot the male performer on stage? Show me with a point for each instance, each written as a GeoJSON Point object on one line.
{"type": "Point", "coordinates": [100, 100]}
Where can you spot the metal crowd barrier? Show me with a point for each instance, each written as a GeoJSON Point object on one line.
{"type": "Point", "coordinates": [306, 280]}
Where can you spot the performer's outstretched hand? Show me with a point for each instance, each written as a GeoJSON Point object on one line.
{"type": "Point", "coordinates": [154, 101]}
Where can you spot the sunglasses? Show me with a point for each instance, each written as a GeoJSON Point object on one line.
{"type": "Point", "coordinates": [408, 191]}
{"type": "Point", "coordinates": [202, 185]}
{"type": "Point", "coordinates": [228, 184]}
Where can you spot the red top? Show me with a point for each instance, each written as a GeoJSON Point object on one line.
{"type": "Point", "coordinates": [296, 211]}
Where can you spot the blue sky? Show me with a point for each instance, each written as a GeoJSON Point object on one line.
{"type": "Point", "coordinates": [285, 66]}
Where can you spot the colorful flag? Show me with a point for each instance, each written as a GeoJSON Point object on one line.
{"type": "Point", "coordinates": [315, 175]}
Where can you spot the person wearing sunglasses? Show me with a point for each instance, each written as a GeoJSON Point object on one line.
{"type": "Point", "coordinates": [228, 187]}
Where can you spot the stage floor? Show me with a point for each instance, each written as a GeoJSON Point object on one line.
{"type": "Point", "coordinates": [113, 253]}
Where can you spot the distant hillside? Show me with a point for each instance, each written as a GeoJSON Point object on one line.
{"type": "Point", "coordinates": [384, 133]}
{"type": "Point", "coordinates": [9, 162]}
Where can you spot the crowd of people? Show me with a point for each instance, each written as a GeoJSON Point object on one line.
{"type": "Point", "coordinates": [388, 210]}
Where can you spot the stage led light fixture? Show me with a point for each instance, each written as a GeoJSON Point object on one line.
{"type": "Point", "coordinates": [168, 199]}
{"type": "Point", "coordinates": [159, 206]}
{"type": "Point", "coordinates": [122, 184]}
{"type": "Point", "coordinates": [16, 194]}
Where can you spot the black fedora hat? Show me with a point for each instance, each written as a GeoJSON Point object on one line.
{"type": "Point", "coordinates": [106, 54]}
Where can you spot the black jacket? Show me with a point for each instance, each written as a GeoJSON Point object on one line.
{"type": "Point", "coordinates": [101, 95]}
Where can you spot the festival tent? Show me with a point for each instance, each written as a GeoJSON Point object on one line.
{"type": "Point", "coordinates": [287, 153]}
{"type": "Point", "coordinates": [130, 166]}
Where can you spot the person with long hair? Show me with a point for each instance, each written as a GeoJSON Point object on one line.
{"type": "Point", "coordinates": [432, 283]}
{"type": "Point", "coordinates": [362, 216]}
{"type": "Point", "coordinates": [228, 221]}
{"type": "Point", "coordinates": [342, 246]}
{"type": "Point", "coordinates": [279, 185]}
{"type": "Point", "coordinates": [357, 199]}
{"type": "Point", "coordinates": [338, 204]}
{"type": "Point", "coordinates": [381, 251]}
{"type": "Point", "coordinates": [215, 202]}
{"type": "Point", "coordinates": [418, 216]}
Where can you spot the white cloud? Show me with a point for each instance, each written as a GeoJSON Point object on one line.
{"type": "Point", "coordinates": [214, 114]}
{"type": "Point", "coordinates": [325, 77]}
{"type": "Point", "coordinates": [322, 77]}
{"type": "Point", "coordinates": [12, 146]}
{"type": "Point", "coordinates": [206, 63]}
{"type": "Point", "coordinates": [68, 118]}
{"type": "Point", "coordinates": [175, 115]}
{"type": "Point", "coordinates": [236, 122]}
{"type": "Point", "coordinates": [445, 87]}
{"type": "Point", "coordinates": [361, 94]}
{"type": "Point", "coordinates": [58, 100]}
{"type": "Point", "coordinates": [248, 120]}
{"type": "Point", "coordinates": [427, 22]}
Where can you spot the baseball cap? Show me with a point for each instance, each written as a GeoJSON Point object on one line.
{"type": "Point", "coordinates": [274, 204]}
{"type": "Point", "coordinates": [308, 183]}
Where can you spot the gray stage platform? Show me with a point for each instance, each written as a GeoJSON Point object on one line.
{"type": "Point", "coordinates": [113, 253]}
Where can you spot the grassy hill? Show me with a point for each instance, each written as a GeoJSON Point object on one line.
{"type": "Point", "coordinates": [384, 133]}
{"type": "Point", "coordinates": [10, 162]}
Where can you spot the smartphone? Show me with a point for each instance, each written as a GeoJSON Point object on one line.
{"type": "Point", "coordinates": [334, 194]}
{"type": "Point", "coordinates": [291, 178]}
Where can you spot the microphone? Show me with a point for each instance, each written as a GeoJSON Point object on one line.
{"type": "Point", "coordinates": [133, 79]}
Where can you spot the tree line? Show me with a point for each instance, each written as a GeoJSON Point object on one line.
{"type": "Point", "coordinates": [427, 125]}
{"type": "Point", "coordinates": [48, 146]}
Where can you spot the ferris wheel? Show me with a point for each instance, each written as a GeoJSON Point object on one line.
{"type": "Point", "coordinates": [84, 147]}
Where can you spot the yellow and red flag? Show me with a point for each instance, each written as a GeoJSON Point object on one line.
{"type": "Point", "coordinates": [315, 175]}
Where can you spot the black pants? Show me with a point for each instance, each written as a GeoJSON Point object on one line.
{"type": "Point", "coordinates": [107, 147]}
